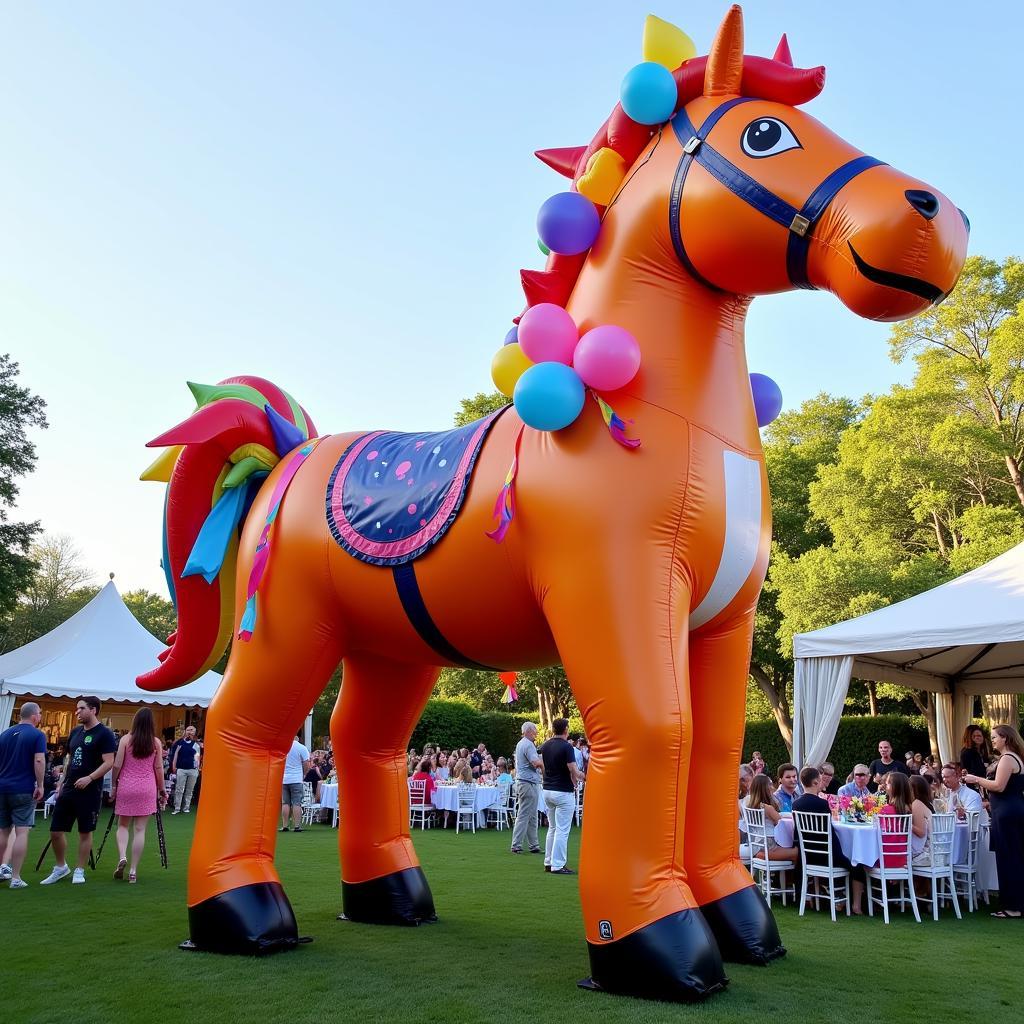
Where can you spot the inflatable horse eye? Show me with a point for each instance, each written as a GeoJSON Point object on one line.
{"type": "Point", "coordinates": [768, 136]}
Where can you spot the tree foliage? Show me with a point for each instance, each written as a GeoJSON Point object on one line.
{"type": "Point", "coordinates": [153, 611]}
{"type": "Point", "coordinates": [480, 405]}
{"type": "Point", "coordinates": [19, 410]}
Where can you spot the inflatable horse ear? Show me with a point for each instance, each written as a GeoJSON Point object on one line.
{"type": "Point", "coordinates": [724, 71]}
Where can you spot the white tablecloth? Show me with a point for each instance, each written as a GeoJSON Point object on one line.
{"type": "Point", "coordinates": [329, 797]}
{"type": "Point", "coordinates": [446, 798]}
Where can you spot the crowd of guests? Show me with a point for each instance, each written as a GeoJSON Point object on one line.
{"type": "Point", "coordinates": [987, 780]}
{"type": "Point", "coordinates": [477, 764]}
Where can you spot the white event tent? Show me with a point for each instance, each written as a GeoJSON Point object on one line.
{"type": "Point", "coordinates": [958, 640]}
{"type": "Point", "coordinates": [98, 651]}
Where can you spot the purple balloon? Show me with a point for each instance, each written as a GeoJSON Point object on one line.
{"type": "Point", "coordinates": [512, 337]}
{"type": "Point", "coordinates": [568, 223]}
{"type": "Point", "coordinates": [767, 398]}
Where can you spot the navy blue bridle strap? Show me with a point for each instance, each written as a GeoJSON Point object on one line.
{"type": "Point", "coordinates": [811, 211]}
{"type": "Point", "coordinates": [800, 223]}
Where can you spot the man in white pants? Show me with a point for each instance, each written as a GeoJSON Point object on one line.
{"type": "Point", "coordinates": [527, 790]}
{"type": "Point", "coordinates": [185, 757]}
{"type": "Point", "coordinates": [561, 777]}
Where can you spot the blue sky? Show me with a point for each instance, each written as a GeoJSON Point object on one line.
{"type": "Point", "coordinates": [339, 197]}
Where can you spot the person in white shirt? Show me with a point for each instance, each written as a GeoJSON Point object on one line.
{"type": "Point", "coordinates": [960, 799]}
{"type": "Point", "coordinates": [296, 764]}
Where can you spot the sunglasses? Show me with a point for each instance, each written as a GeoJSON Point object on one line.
{"type": "Point", "coordinates": [860, 775]}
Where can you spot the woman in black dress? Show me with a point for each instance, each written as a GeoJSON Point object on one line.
{"type": "Point", "coordinates": [1006, 793]}
{"type": "Point", "coordinates": [976, 753]}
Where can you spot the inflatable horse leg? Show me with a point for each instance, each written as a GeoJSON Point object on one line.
{"type": "Point", "coordinates": [627, 668]}
{"type": "Point", "coordinates": [236, 902]}
{"type": "Point", "coordinates": [733, 906]}
{"type": "Point", "coordinates": [378, 708]}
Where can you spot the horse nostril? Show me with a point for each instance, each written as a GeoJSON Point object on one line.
{"type": "Point", "coordinates": [925, 203]}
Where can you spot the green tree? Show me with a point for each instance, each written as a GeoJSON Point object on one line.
{"type": "Point", "coordinates": [971, 347]}
{"type": "Point", "coordinates": [795, 446]}
{"type": "Point", "coordinates": [19, 410]}
{"type": "Point", "coordinates": [480, 405]}
{"type": "Point", "coordinates": [154, 612]}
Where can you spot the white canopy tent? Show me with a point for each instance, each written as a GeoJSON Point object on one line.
{"type": "Point", "coordinates": [958, 640]}
{"type": "Point", "coordinates": [99, 651]}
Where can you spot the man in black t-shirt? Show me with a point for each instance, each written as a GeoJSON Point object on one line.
{"type": "Point", "coordinates": [91, 750]}
{"type": "Point", "coordinates": [476, 760]}
{"type": "Point", "coordinates": [561, 777]}
{"type": "Point", "coordinates": [884, 764]}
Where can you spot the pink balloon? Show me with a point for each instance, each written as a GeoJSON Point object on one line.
{"type": "Point", "coordinates": [607, 358]}
{"type": "Point", "coordinates": [547, 334]}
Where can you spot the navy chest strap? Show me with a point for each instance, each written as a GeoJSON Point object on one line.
{"type": "Point", "coordinates": [799, 222]}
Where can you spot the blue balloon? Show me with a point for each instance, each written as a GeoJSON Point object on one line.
{"type": "Point", "coordinates": [549, 396]}
{"type": "Point", "coordinates": [512, 337]}
{"type": "Point", "coordinates": [767, 398]}
{"type": "Point", "coordinates": [568, 223]}
{"type": "Point", "coordinates": [649, 93]}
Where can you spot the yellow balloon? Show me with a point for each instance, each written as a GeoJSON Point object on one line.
{"type": "Point", "coordinates": [665, 44]}
{"type": "Point", "coordinates": [603, 176]}
{"type": "Point", "coordinates": [507, 366]}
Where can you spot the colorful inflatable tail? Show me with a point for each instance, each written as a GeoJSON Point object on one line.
{"type": "Point", "coordinates": [214, 464]}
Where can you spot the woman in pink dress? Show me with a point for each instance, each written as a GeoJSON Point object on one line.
{"type": "Point", "coordinates": [137, 784]}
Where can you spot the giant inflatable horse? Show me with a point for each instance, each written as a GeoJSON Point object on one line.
{"type": "Point", "coordinates": [638, 569]}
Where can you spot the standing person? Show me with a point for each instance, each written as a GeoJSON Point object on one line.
{"type": "Point", "coordinates": [186, 756]}
{"type": "Point", "coordinates": [476, 760]}
{"type": "Point", "coordinates": [22, 764]}
{"type": "Point", "coordinates": [1006, 797]}
{"type": "Point", "coordinates": [976, 752]}
{"type": "Point", "coordinates": [883, 764]}
{"type": "Point", "coordinates": [136, 787]}
{"type": "Point", "coordinates": [296, 764]}
{"type": "Point", "coordinates": [528, 761]}
{"type": "Point", "coordinates": [561, 777]}
{"type": "Point", "coordinates": [757, 762]}
{"type": "Point", "coordinates": [91, 749]}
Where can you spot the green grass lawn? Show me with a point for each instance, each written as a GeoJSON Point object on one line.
{"type": "Point", "coordinates": [509, 946]}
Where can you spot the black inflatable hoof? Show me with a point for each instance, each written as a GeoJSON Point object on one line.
{"type": "Point", "coordinates": [253, 920]}
{"type": "Point", "coordinates": [674, 959]}
{"type": "Point", "coordinates": [402, 897]}
{"type": "Point", "coordinates": [745, 927]}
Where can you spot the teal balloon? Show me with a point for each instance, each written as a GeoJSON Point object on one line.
{"type": "Point", "coordinates": [549, 396]}
{"type": "Point", "coordinates": [649, 93]}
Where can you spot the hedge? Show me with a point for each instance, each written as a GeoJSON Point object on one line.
{"type": "Point", "coordinates": [857, 740]}
{"type": "Point", "coordinates": [454, 723]}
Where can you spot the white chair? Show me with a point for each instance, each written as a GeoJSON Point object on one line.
{"type": "Point", "coordinates": [965, 874]}
{"type": "Point", "coordinates": [894, 843]}
{"type": "Point", "coordinates": [814, 832]}
{"type": "Point", "coordinates": [940, 868]}
{"type": "Point", "coordinates": [579, 804]}
{"type": "Point", "coordinates": [466, 795]}
{"type": "Point", "coordinates": [502, 809]}
{"type": "Point", "coordinates": [759, 834]}
{"type": "Point", "coordinates": [310, 808]}
{"type": "Point", "coordinates": [421, 811]}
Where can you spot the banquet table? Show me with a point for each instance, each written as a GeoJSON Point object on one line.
{"type": "Point", "coordinates": [329, 799]}
{"type": "Point", "coordinates": [861, 844]}
{"type": "Point", "coordinates": [446, 798]}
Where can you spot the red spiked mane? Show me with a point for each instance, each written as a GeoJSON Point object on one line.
{"type": "Point", "coordinates": [764, 78]}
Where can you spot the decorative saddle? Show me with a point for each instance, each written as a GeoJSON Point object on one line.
{"type": "Point", "coordinates": [392, 496]}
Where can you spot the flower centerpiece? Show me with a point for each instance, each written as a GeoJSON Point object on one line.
{"type": "Point", "coordinates": [860, 809]}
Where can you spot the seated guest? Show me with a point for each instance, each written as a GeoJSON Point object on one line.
{"type": "Point", "coordinates": [503, 778]}
{"type": "Point", "coordinates": [812, 802]}
{"type": "Point", "coordinates": [315, 774]}
{"type": "Point", "coordinates": [921, 809]}
{"type": "Point", "coordinates": [899, 800]}
{"type": "Point", "coordinates": [788, 788]}
{"type": "Point", "coordinates": [442, 767]}
{"type": "Point", "coordinates": [859, 786]}
{"type": "Point", "coordinates": [422, 774]}
{"type": "Point", "coordinates": [761, 796]}
{"type": "Point", "coordinates": [829, 782]}
{"type": "Point", "coordinates": [465, 774]}
{"type": "Point", "coordinates": [746, 778]}
{"type": "Point", "coordinates": [960, 800]}
{"type": "Point", "coordinates": [908, 757]}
